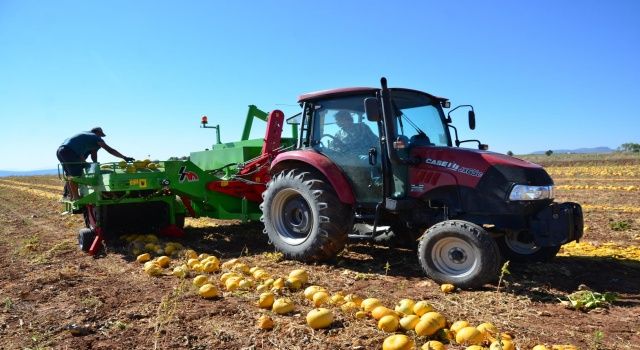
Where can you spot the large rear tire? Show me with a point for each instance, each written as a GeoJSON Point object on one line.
{"type": "Point", "coordinates": [520, 247]}
{"type": "Point", "coordinates": [459, 252]}
{"type": "Point", "coordinates": [303, 216]}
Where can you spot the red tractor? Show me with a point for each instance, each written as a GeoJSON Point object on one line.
{"type": "Point", "coordinates": [384, 158]}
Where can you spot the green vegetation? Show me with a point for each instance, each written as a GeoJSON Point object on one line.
{"type": "Point", "coordinates": [622, 225]}
{"type": "Point", "coordinates": [586, 300]}
{"type": "Point", "coordinates": [7, 304]}
{"type": "Point", "coordinates": [598, 337]}
{"type": "Point", "coordinates": [630, 147]}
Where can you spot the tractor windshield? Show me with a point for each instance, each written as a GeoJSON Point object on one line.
{"type": "Point", "coordinates": [419, 120]}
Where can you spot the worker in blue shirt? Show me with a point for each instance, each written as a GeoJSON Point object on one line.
{"type": "Point", "coordinates": [74, 150]}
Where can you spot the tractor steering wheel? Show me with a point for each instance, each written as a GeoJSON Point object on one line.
{"type": "Point", "coordinates": [322, 137]}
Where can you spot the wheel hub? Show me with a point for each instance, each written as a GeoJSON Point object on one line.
{"type": "Point", "coordinates": [296, 217]}
{"type": "Point", "coordinates": [457, 255]}
{"type": "Point", "coordinates": [454, 256]}
{"type": "Point", "coordinates": [295, 220]}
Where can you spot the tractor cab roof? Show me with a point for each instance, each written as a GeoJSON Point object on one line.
{"type": "Point", "coordinates": [343, 92]}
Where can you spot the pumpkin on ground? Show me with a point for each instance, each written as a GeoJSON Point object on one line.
{"type": "Point", "coordinates": [409, 322]}
{"type": "Point", "coordinates": [265, 322]}
{"type": "Point", "coordinates": [458, 325]}
{"type": "Point", "coordinates": [208, 291]}
{"type": "Point", "coordinates": [502, 345]}
{"type": "Point", "coordinates": [447, 288]}
{"type": "Point", "coordinates": [380, 311]}
{"type": "Point", "coordinates": [405, 306]}
{"type": "Point", "coordinates": [266, 300]}
{"type": "Point", "coordinates": [299, 274]}
{"type": "Point", "coordinates": [422, 307]}
{"type": "Point", "coordinates": [432, 345]}
{"type": "Point", "coordinates": [143, 258]}
{"type": "Point", "coordinates": [319, 318]}
{"type": "Point", "coordinates": [282, 306]}
{"type": "Point", "coordinates": [370, 303]}
{"type": "Point", "coordinates": [398, 342]}
{"type": "Point", "coordinates": [427, 327]}
{"type": "Point", "coordinates": [388, 323]}
{"type": "Point", "coordinates": [469, 336]}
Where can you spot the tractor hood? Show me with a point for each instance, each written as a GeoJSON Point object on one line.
{"type": "Point", "coordinates": [476, 168]}
{"type": "Point", "coordinates": [481, 181]}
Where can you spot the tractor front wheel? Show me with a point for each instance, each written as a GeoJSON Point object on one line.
{"type": "Point", "coordinates": [303, 216]}
{"type": "Point", "coordinates": [459, 252]}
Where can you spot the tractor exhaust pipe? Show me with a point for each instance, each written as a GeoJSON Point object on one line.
{"type": "Point", "coordinates": [388, 121]}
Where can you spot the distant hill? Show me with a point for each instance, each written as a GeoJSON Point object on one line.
{"type": "Point", "coordinates": [580, 150]}
{"type": "Point", "coordinates": [4, 173]}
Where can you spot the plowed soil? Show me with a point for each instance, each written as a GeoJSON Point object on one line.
{"type": "Point", "coordinates": [48, 287]}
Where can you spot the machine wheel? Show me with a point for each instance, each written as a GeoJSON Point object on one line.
{"type": "Point", "coordinates": [520, 247]}
{"type": "Point", "coordinates": [459, 252]}
{"type": "Point", "coordinates": [303, 216]}
{"type": "Point", "coordinates": [86, 237]}
{"type": "Point", "coordinates": [180, 221]}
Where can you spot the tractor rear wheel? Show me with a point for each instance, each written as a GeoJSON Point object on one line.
{"type": "Point", "coordinates": [303, 216]}
{"type": "Point", "coordinates": [520, 247]}
{"type": "Point", "coordinates": [459, 252]}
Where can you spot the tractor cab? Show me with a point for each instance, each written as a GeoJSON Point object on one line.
{"type": "Point", "coordinates": [336, 125]}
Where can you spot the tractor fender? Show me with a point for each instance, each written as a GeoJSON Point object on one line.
{"type": "Point", "coordinates": [330, 170]}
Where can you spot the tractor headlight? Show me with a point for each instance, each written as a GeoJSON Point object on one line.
{"type": "Point", "coordinates": [530, 193]}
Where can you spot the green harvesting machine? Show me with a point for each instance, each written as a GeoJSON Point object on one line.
{"type": "Point", "coordinates": [224, 182]}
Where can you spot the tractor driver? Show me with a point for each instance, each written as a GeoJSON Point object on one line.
{"type": "Point", "coordinates": [352, 138]}
{"type": "Point", "coordinates": [74, 150]}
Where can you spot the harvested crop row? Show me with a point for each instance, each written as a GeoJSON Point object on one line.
{"type": "Point", "coordinates": [32, 185]}
{"type": "Point", "coordinates": [598, 188]}
{"type": "Point", "coordinates": [611, 170]}
{"type": "Point", "coordinates": [36, 192]}
{"type": "Point", "coordinates": [623, 209]}
{"type": "Point", "coordinates": [605, 250]}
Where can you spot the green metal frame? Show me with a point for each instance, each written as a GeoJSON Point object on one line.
{"type": "Point", "coordinates": [115, 183]}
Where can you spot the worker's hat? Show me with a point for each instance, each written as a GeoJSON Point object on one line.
{"type": "Point", "coordinates": [98, 131]}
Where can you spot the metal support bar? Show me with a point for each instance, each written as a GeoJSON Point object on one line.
{"type": "Point", "coordinates": [254, 112]}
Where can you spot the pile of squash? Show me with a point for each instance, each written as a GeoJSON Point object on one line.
{"type": "Point", "coordinates": [408, 320]}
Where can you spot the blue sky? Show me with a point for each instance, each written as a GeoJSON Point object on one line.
{"type": "Point", "coordinates": [540, 74]}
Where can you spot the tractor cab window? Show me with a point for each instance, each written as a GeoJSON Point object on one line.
{"type": "Point", "coordinates": [419, 120]}
{"type": "Point", "coordinates": [342, 132]}
{"type": "Point", "coordinates": [342, 127]}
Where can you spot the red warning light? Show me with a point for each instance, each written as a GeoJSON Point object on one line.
{"type": "Point", "coordinates": [205, 121]}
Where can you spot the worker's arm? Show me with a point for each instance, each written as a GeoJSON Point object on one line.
{"type": "Point", "coordinates": [114, 152]}
{"type": "Point", "coordinates": [94, 156]}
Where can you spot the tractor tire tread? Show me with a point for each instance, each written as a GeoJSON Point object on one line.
{"type": "Point", "coordinates": [331, 222]}
{"type": "Point", "coordinates": [490, 258]}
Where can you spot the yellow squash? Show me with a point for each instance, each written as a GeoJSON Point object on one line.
{"type": "Point", "coordinates": [319, 318]}
{"type": "Point", "coordinates": [398, 342]}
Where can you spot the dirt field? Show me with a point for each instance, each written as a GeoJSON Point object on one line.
{"type": "Point", "coordinates": [47, 284]}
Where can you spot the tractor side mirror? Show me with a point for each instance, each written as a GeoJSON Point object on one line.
{"type": "Point", "coordinates": [372, 109]}
{"type": "Point", "coordinates": [472, 120]}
